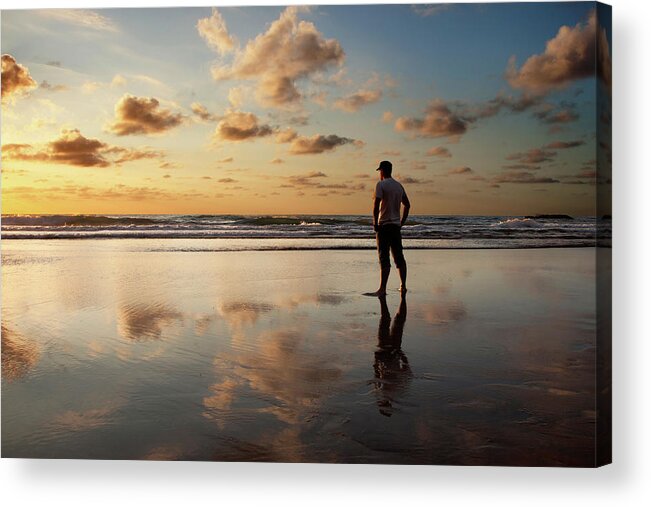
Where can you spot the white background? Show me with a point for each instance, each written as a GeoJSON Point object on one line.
{"type": "Point", "coordinates": [626, 482]}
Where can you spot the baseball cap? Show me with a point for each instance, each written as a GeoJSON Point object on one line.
{"type": "Point", "coordinates": [385, 164]}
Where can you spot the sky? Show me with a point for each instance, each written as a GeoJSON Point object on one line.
{"type": "Point", "coordinates": [483, 109]}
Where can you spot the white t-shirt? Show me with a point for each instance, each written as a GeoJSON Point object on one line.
{"type": "Point", "coordinates": [391, 192]}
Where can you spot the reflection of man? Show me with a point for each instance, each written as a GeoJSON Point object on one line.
{"type": "Point", "coordinates": [389, 195]}
{"type": "Point", "coordinates": [392, 372]}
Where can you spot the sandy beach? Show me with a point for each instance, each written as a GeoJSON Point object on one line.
{"type": "Point", "coordinates": [155, 349]}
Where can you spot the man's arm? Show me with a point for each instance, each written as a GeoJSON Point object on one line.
{"type": "Point", "coordinates": [405, 211]}
{"type": "Point", "coordinates": [376, 212]}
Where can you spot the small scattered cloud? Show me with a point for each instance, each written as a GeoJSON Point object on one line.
{"type": "Point", "coordinates": [241, 126]}
{"type": "Point", "coordinates": [460, 170]}
{"type": "Point", "coordinates": [439, 151]}
{"type": "Point", "coordinates": [427, 10]}
{"type": "Point", "coordinates": [533, 156]}
{"type": "Point", "coordinates": [387, 117]}
{"type": "Point", "coordinates": [236, 97]}
{"type": "Point", "coordinates": [554, 115]}
{"type": "Point", "coordinates": [277, 161]}
{"type": "Point", "coordinates": [82, 18]}
{"type": "Point", "coordinates": [563, 145]}
{"type": "Point", "coordinates": [141, 115]}
{"type": "Point", "coordinates": [522, 177]}
{"type": "Point", "coordinates": [72, 148]}
{"type": "Point", "coordinates": [118, 80]}
{"type": "Point", "coordinates": [439, 121]}
{"type": "Point", "coordinates": [53, 88]}
{"type": "Point", "coordinates": [355, 101]}
{"type": "Point", "coordinates": [213, 30]}
{"type": "Point", "coordinates": [16, 80]}
{"type": "Point", "coordinates": [569, 56]}
{"type": "Point", "coordinates": [290, 50]}
{"type": "Point", "coordinates": [301, 145]}
{"type": "Point", "coordinates": [201, 112]}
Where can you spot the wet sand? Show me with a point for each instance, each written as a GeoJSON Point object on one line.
{"type": "Point", "coordinates": [126, 349]}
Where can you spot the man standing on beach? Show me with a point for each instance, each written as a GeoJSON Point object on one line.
{"type": "Point", "coordinates": [389, 194]}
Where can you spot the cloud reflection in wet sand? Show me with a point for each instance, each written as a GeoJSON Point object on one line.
{"type": "Point", "coordinates": [143, 322]}
{"type": "Point", "coordinates": [19, 355]}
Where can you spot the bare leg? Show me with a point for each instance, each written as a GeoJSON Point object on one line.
{"type": "Point", "coordinates": [403, 277]}
{"type": "Point", "coordinates": [384, 278]}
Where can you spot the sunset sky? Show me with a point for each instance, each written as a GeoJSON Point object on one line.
{"type": "Point", "coordinates": [482, 108]}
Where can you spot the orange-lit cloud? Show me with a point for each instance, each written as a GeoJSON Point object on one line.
{"type": "Point", "coordinates": [460, 170]}
{"type": "Point", "coordinates": [288, 51]}
{"type": "Point", "coordinates": [569, 56]}
{"type": "Point", "coordinates": [355, 101]}
{"type": "Point", "coordinates": [319, 143]}
{"type": "Point", "coordinates": [439, 151]}
{"type": "Point", "coordinates": [214, 31]}
{"type": "Point", "coordinates": [550, 114]}
{"type": "Point", "coordinates": [201, 111]}
{"type": "Point", "coordinates": [140, 115]}
{"type": "Point", "coordinates": [563, 145]}
{"type": "Point", "coordinates": [439, 121]}
{"type": "Point", "coordinates": [240, 126]}
{"type": "Point", "coordinates": [522, 177]}
{"type": "Point", "coordinates": [533, 156]}
{"type": "Point", "coordinates": [72, 148]}
{"type": "Point", "coordinates": [16, 79]}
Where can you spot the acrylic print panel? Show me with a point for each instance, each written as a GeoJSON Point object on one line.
{"type": "Point", "coordinates": [339, 234]}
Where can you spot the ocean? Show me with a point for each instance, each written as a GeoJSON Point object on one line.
{"type": "Point", "coordinates": [309, 232]}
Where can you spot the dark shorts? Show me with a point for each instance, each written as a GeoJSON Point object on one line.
{"type": "Point", "coordinates": [389, 238]}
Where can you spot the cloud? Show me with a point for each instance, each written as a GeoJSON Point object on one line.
{"type": "Point", "coordinates": [54, 88]}
{"type": "Point", "coordinates": [354, 102]}
{"type": "Point", "coordinates": [314, 180]}
{"type": "Point", "coordinates": [236, 97]}
{"type": "Point", "coordinates": [521, 177]}
{"type": "Point", "coordinates": [145, 321]}
{"type": "Point", "coordinates": [277, 161]}
{"type": "Point", "coordinates": [318, 143]}
{"type": "Point", "coordinates": [214, 31]}
{"type": "Point", "coordinates": [288, 51]}
{"type": "Point", "coordinates": [569, 56]}
{"type": "Point", "coordinates": [550, 114]}
{"type": "Point", "coordinates": [439, 121]}
{"type": "Point", "coordinates": [426, 10]}
{"type": "Point", "coordinates": [563, 145]}
{"type": "Point", "coordinates": [16, 79]}
{"type": "Point", "coordinates": [19, 355]}
{"type": "Point", "coordinates": [226, 160]}
{"type": "Point", "coordinates": [82, 18]}
{"type": "Point", "coordinates": [287, 135]}
{"type": "Point", "coordinates": [460, 170]}
{"type": "Point", "coordinates": [141, 115]}
{"type": "Point", "coordinates": [410, 180]}
{"type": "Point", "coordinates": [533, 156]}
{"type": "Point", "coordinates": [240, 126]}
{"type": "Point", "coordinates": [72, 148]}
{"type": "Point", "coordinates": [201, 111]}
{"type": "Point", "coordinates": [439, 151]}
{"type": "Point", "coordinates": [387, 117]}
{"type": "Point", "coordinates": [118, 80]}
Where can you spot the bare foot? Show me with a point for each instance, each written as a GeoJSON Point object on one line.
{"type": "Point", "coordinates": [377, 293]}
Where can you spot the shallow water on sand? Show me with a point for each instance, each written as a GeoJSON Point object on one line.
{"type": "Point", "coordinates": [113, 351]}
